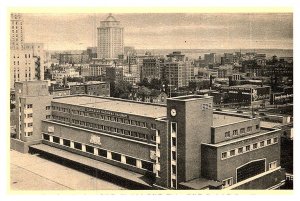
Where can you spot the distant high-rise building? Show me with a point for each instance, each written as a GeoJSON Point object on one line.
{"type": "Point", "coordinates": [177, 69]}
{"type": "Point", "coordinates": [26, 59]}
{"type": "Point", "coordinates": [110, 38]}
{"type": "Point", "coordinates": [16, 32]}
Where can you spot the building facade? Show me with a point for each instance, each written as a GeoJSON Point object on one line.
{"type": "Point", "coordinates": [33, 103]}
{"type": "Point", "coordinates": [95, 88]}
{"type": "Point", "coordinates": [177, 69]}
{"type": "Point", "coordinates": [151, 68]}
{"type": "Point", "coordinates": [26, 59]}
{"type": "Point", "coordinates": [110, 38]}
{"type": "Point", "coordinates": [181, 145]}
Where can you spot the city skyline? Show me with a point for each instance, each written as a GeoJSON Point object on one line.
{"type": "Point", "coordinates": [165, 31]}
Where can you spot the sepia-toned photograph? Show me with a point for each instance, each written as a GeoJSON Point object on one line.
{"type": "Point", "coordinates": [151, 101]}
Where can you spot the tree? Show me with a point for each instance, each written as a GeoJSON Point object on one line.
{"type": "Point", "coordinates": [155, 84]}
{"type": "Point", "coordinates": [144, 82]}
{"type": "Point", "coordinates": [192, 85]}
{"type": "Point", "coordinates": [122, 89]}
{"type": "Point", "coordinates": [143, 92]}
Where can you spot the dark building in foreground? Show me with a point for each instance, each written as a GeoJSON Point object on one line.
{"type": "Point", "coordinates": [183, 145]}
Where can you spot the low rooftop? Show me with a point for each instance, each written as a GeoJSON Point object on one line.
{"type": "Point", "coordinates": [225, 119]}
{"type": "Point", "coordinates": [247, 86]}
{"type": "Point", "coordinates": [201, 183]}
{"type": "Point", "coordinates": [115, 105]}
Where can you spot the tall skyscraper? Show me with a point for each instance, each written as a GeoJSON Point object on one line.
{"type": "Point", "coordinates": [26, 59]}
{"type": "Point", "coordinates": [16, 32]}
{"type": "Point", "coordinates": [110, 38]}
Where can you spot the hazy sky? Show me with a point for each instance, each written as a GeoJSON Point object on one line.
{"type": "Point", "coordinates": [168, 31]}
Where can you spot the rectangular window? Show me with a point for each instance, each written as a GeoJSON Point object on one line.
{"type": "Point", "coordinates": [173, 183]}
{"type": "Point", "coordinates": [268, 141]}
{"type": "Point", "coordinates": [130, 161]}
{"type": "Point", "coordinates": [224, 155]}
{"type": "Point", "coordinates": [153, 126]}
{"type": "Point", "coordinates": [142, 136]}
{"type": "Point", "coordinates": [174, 141]}
{"type": "Point", "coordinates": [77, 145]}
{"type": "Point", "coordinates": [102, 152]}
{"type": "Point", "coordinates": [240, 150]}
{"type": "Point", "coordinates": [254, 146]}
{"type": "Point", "coordinates": [29, 106]}
{"type": "Point", "coordinates": [235, 132]}
{"type": "Point", "coordinates": [120, 120]}
{"type": "Point", "coordinates": [248, 148]}
{"type": "Point", "coordinates": [147, 166]}
{"type": "Point", "coordinates": [134, 134]}
{"type": "Point", "coordinates": [153, 138]}
{"type": "Point", "coordinates": [227, 182]}
{"type": "Point", "coordinates": [56, 139]}
{"type": "Point", "coordinates": [48, 107]}
{"type": "Point", "coordinates": [173, 128]}
{"type": "Point", "coordinates": [89, 149]}
{"type": "Point", "coordinates": [66, 142]}
{"type": "Point", "coordinates": [262, 144]}
{"type": "Point", "coordinates": [232, 152]}
{"type": "Point", "coordinates": [126, 132]}
{"type": "Point", "coordinates": [257, 126]}
{"type": "Point", "coordinates": [227, 134]}
{"type": "Point", "coordinates": [46, 137]}
{"type": "Point", "coordinates": [249, 128]}
{"type": "Point", "coordinates": [48, 116]}
{"type": "Point", "coordinates": [174, 169]}
{"type": "Point", "coordinates": [29, 115]}
{"type": "Point", "coordinates": [115, 156]}
{"type": "Point", "coordinates": [275, 140]}
{"type": "Point", "coordinates": [242, 130]}
{"type": "Point", "coordinates": [174, 155]}
{"type": "Point", "coordinates": [272, 165]}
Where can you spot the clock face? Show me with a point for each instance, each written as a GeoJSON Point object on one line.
{"type": "Point", "coordinates": [173, 112]}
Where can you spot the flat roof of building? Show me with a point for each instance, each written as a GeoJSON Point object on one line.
{"type": "Point", "coordinates": [248, 86]}
{"type": "Point", "coordinates": [116, 105]}
{"type": "Point", "coordinates": [105, 167]}
{"type": "Point", "coordinates": [225, 119]}
{"type": "Point", "coordinates": [201, 183]}
{"type": "Point", "coordinates": [268, 124]}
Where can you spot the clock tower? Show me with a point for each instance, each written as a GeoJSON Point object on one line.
{"type": "Point", "coordinates": [190, 119]}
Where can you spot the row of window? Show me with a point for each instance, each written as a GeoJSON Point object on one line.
{"type": "Point", "coordinates": [247, 148]}
{"type": "Point", "coordinates": [174, 154]}
{"type": "Point", "coordinates": [106, 128]}
{"type": "Point", "coordinates": [105, 117]}
{"type": "Point", "coordinates": [101, 152]}
{"type": "Point", "coordinates": [242, 131]}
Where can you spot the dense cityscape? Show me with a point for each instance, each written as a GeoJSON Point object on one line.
{"type": "Point", "coordinates": [152, 118]}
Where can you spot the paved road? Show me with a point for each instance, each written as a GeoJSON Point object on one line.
{"type": "Point", "coordinates": [30, 172]}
